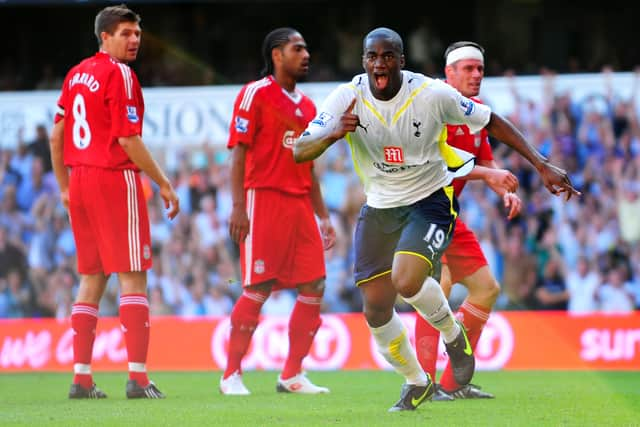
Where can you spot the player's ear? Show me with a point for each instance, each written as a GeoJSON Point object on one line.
{"type": "Point", "coordinates": [402, 61]}
{"type": "Point", "coordinates": [277, 54]}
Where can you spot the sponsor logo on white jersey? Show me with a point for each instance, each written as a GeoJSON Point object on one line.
{"type": "Point", "coordinates": [393, 154]}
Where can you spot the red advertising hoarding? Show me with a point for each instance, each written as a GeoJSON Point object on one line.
{"type": "Point", "coordinates": [511, 340]}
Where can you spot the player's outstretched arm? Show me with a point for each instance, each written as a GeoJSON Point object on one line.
{"type": "Point", "coordinates": [56, 142]}
{"type": "Point", "coordinates": [500, 180]}
{"type": "Point", "coordinates": [316, 139]}
{"type": "Point", "coordinates": [555, 179]}
{"type": "Point", "coordinates": [141, 157]}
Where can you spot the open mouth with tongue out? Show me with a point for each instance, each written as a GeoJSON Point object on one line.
{"type": "Point", "coordinates": [381, 80]}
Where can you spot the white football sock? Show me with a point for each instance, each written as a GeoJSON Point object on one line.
{"type": "Point", "coordinates": [394, 345]}
{"type": "Point", "coordinates": [432, 305]}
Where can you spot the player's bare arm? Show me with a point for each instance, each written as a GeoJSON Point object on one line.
{"type": "Point", "coordinates": [309, 147]}
{"type": "Point", "coordinates": [141, 157]}
{"type": "Point", "coordinates": [500, 180]}
{"type": "Point", "coordinates": [239, 221]}
{"type": "Point", "coordinates": [320, 209]}
{"type": "Point", "coordinates": [56, 142]}
{"type": "Point", "coordinates": [555, 179]}
{"type": "Point", "coordinates": [510, 199]}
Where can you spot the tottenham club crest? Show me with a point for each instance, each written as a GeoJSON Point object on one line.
{"type": "Point", "coordinates": [417, 124]}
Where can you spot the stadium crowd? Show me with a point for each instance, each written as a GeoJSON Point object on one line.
{"type": "Point", "coordinates": [582, 256]}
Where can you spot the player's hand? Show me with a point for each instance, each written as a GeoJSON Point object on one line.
{"type": "Point", "coordinates": [502, 179]}
{"type": "Point", "coordinates": [348, 122]}
{"type": "Point", "coordinates": [64, 198]}
{"type": "Point", "coordinates": [238, 224]}
{"type": "Point", "coordinates": [557, 181]}
{"type": "Point", "coordinates": [171, 200]}
{"type": "Point", "coordinates": [513, 203]}
{"type": "Point", "coordinates": [328, 233]}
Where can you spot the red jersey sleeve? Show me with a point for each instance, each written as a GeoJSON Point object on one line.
{"type": "Point", "coordinates": [243, 122]}
{"type": "Point", "coordinates": [62, 101]}
{"type": "Point", "coordinates": [484, 150]}
{"type": "Point", "coordinates": [124, 98]}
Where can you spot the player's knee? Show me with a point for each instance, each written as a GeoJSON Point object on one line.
{"type": "Point", "coordinates": [405, 284]}
{"type": "Point", "coordinates": [488, 293]}
{"type": "Point", "coordinates": [377, 312]}
{"type": "Point", "coordinates": [312, 288]}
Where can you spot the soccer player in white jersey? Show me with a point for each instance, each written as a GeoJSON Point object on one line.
{"type": "Point", "coordinates": [394, 121]}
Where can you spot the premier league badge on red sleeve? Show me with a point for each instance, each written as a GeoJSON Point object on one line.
{"type": "Point", "coordinates": [132, 114]}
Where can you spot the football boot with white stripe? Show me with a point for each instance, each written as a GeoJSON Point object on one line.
{"type": "Point", "coordinates": [135, 391]}
{"type": "Point", "coordinates": [78, 392]}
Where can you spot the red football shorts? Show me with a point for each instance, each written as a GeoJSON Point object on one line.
{"type": "Point", "coordinates": [464, 255]}
{"type": "Point", "coordinates": [109, 220]}
{"type": "Point", "coordinates": [284, 240]}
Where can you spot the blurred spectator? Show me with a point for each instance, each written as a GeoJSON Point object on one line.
{"type": "Point", "coordinates": [217, 302]}
{"type": "Point", "coordinates": [39, 147]}
{"type": "Point", "coordinates": [551, 292]}
{"type": "Point", "coordinates": [11, 257]}
{"type": "Point", "coordinates": [18, 295]}
{"type": "Point", "coordinates": [582, 283]}
{"type": "Point", "coordinates": [615, 295]}
{"type": "Point", "coordinates": [519, 276]}
{"type": "Point", "coordinates": [157, 304]}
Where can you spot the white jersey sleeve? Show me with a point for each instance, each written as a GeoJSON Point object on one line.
{"type": "Point", "coordinates": [328, 116]}
{"type": "Point", "coordinates": [454, 108]}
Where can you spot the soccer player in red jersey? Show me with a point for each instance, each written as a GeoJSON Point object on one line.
{"type": "Point", "coordinates": [274, 200]}
{"type": "Point", "coordinates": [97, 155]}
{"type": "Point", "coordinates": [463, 261]}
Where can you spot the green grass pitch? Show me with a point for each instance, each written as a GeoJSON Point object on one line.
{"type": "Point", "coordinates": [357, 398]}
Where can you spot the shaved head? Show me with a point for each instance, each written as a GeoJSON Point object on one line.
{"type": "Point", "coordinates": [385, 33]}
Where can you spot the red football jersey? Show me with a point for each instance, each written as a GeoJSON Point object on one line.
{"type": "Point", "coordinates": [477, 144]}
{"type": "Point", "coordinates": [101, 101]}
{"type": "Point", "coordinates": [268, 120]}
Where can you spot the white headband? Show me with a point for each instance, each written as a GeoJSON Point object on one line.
{"type": "Point", "coordinates": [464, 52]}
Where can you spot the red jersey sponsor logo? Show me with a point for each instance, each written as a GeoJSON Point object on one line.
{"type": "Point", "coordinates": [393, 155]}
{"type": "Point", "coordinates": [289, 139]}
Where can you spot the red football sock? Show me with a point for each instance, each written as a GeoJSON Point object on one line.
{"type": "Point", "coordinates": [303, 325]}
{"type": "Point", "coordinates": [134, 318]}
{"type": "Point", "coordinates": [473, 318]}
{"type": "Point", "coordinates": [84, 318]}
{"type": "Point", "coordinates": [427, 346]}
{"type": "Point", "coordinates": [244, 320]}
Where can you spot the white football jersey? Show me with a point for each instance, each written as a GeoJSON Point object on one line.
{"type": "Point", "coordinates": [399, 149]}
